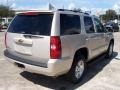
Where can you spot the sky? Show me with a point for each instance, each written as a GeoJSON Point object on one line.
{"type": "Point", "coordinates": [96, 6]}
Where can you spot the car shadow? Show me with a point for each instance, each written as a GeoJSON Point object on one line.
{"type": "Point", "coordinates": [59, 83]}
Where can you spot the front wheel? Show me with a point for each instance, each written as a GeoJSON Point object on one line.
{"type": "Point", "coordinates": [77, 69]}
{"type": "Point", "coordinates": [110, 50]}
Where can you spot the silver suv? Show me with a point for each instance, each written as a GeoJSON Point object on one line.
{"type": "Point", "coordinates": [56, 42]}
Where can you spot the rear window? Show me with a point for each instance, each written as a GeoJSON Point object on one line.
{"type": "Point", "coordinates": [88, 23]}
{"type": "Point", "coordinates": [32, 24]}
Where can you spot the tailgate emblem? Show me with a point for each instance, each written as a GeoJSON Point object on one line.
{"type": "Point", "coordinates": [20, 41]}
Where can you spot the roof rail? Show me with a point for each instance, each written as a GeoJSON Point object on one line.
{"type": "Point", "coordinates": [86, 13]}
{"type": "Point", "coordinates": [73, 11]}
{"type": "Point", "coordinates": [64, 10]}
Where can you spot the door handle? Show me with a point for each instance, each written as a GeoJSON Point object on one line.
{"type": "Point", "coordinates": [87, 39]}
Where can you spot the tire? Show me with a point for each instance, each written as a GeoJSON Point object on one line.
{"type": "Point", "coordinates": [76, 72]}
{"type": "Point", "coordinates": [110, 50]}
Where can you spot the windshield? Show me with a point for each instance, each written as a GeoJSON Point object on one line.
{"type": "Point", "coordinates": [32, 24]}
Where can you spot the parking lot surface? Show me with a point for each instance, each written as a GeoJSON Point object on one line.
{"type": "Point", "coordinates": [102, 74]}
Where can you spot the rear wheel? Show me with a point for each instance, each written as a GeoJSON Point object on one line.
{"type": "Point", "coordinates": [110, 50]}
{"type": "Point", "coordinates": [78, 68]}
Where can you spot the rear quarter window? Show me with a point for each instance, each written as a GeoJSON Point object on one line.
{"type": "Point", "coordinates": [69, 24]}
{"type": "Point", "coordinates": [32, 24]}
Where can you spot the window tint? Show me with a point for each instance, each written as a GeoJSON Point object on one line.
{"type": "Point", "coordinates": [89, 27]}
{"type": "Point", "coordinates": [69, 24]}
{"type": "Point", "coordinates": [32, 24]}
{"type": "Point", "coordinates": [99, 27]}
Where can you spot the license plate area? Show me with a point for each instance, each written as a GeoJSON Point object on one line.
{"type": "Point", "coordinates": [23, 49]}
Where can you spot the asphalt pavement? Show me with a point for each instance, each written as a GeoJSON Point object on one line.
{"type": "Point", "coordinates": [102, 74]}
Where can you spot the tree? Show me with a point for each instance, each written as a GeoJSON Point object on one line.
{"type": "Point", "coordinates": [6, 11]}
{"type": "Point", "coordinates": [11, 13]}
{"type": "Point", "coordinates": [110, 15]}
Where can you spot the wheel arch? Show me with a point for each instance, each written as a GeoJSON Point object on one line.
{"type": "Point", "coordinates": [84, 51]}
{"type": "Point", "coordinates": [112, 41]}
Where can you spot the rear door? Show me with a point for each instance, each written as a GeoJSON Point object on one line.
{"type": "Point", "coordinates": [70, 29]}
{"type": "Point", "coordinates": [29, 34]}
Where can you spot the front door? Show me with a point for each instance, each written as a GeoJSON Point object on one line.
{"type": "Point", "coordinates": [92, 39]}
{"type": "Point", "coordinates": [101, 33]}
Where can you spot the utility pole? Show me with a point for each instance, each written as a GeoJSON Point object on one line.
{"type": "Point", "coordinates": [7, 2]}
{"type": "Point", "coordinates": [118, 14]}
{"type": "Point", "coordinates": [8, 11]}
{"type": "Point", "coordinates": [119, 17]}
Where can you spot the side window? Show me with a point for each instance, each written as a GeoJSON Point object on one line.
{"type": "Point", "coordinates": [69, 24]}
{"type": "Point", "coordinates": [89, 27]}
{"type": "Point", "coordinates": [99, 27]}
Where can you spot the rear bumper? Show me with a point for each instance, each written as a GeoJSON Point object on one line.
{"type": "Point", "coordinates": [53, 68]}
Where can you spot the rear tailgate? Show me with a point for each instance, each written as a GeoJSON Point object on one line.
{"type": "Point", "coordinates": [30, 35]}
{"type": "Point", "coordinates": [37, 47]}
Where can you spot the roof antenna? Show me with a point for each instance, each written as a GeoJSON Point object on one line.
{"type": "Point", "coordinates": [63, 6]}
{"type": "Point", "coordinates": [51, 7]}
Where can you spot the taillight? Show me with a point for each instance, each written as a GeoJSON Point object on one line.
{"type": "Point", "coordinates": [6, 39]}
{"type": "Point", "coordinates": [55, 47]}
